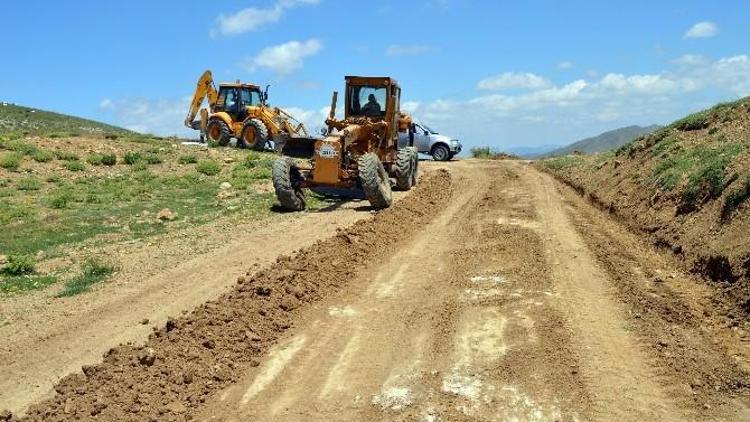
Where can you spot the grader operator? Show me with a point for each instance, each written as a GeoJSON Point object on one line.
{"type": "Point", "coordinates": [241, 111]}
{"type": "Point", "coordinates": [360, 151]}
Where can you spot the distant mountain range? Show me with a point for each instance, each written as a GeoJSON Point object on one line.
{"type": "Point", "coordinates": [604, 142]}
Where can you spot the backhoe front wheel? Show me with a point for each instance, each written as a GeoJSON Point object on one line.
{"type": "Point", "coordinates": [218, 131]}
{"type": "Point", "coordinates": [374, 180]}
{"type": "Point", "coordinates": [254, 135]}
{"type": "Point", "coordinates": [287, 181]}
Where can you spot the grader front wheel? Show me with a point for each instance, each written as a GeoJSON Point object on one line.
{"type": "Point", "coordinates": [374, 180]}
{"type": "Point", "coordinates": [286, 182]}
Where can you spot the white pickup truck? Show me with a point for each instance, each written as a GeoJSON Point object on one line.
{"type": "Point", "coordinates": [427, 141]}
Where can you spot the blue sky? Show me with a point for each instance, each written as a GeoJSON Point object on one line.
{"type": "Point", "coordinates": [490, 73]}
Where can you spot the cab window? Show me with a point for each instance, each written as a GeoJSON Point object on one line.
{"type": "Point", "coordinates": [249, 97]}
{"type": "Point", "coordinates": [368, 101]}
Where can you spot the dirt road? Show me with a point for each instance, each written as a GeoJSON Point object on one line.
{"type": "Point", "coordinates": [499, 295]}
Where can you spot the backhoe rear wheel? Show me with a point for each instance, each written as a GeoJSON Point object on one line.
{"type": "Point", "coordinates": [287, 184]}
{"type": "Point", "coordinates": [374, 180]}
{"type": "Point", "coordinates": [218, 131]}
{"type": "Point", "coordinates": [254, 135]}
{"type": "Point", "coordinates": [403, 169]}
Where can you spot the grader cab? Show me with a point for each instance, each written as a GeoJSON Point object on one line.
{"type": "Point", "coordinates": [359, 151]}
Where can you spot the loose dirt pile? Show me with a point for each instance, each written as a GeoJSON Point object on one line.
{"type": "Point", "coordinates": [686, 187]}
{"type": "Point", "coordinates": [195, 355]}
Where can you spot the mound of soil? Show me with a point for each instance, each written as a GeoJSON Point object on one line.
{"type": "Point", "coordinates": [195, 355]}
{"type": "Point", "coordinates": [685, 188]}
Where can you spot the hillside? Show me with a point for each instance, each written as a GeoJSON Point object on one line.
{"type": "Point", "coordinates": [686, 187]}
{"type": "Point", "coordinates": [605, 141]}
{"type": "Point", "coordinates": [27, 120]}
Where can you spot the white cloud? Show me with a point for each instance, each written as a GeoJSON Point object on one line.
{"type": "Point", "coordinates": [158, 116]}
{"type": "Point", "coordinates": [703, 29]}
{"type": "Point", "coordinates": [549, 113]}
{"type": "Point", "coordinates": [565, 65]}
{"type": "Point", "coordinates": [253, 18]}
{"type": "Point", "coordinates": [285, 58]}
{"type": "Point", "coordinates": [512, 80]}
{"type": "Point", "coordinates": [407, 50]}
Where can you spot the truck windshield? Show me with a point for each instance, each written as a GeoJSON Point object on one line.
{"type": "Point", "coordinates": [367, 101]}
{"type": "Point", "coordinates": [427, 128]}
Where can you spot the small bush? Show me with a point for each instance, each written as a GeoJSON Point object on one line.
{"type": "Point", "coordinates": [139, 167]}
{"type": "Point", "coordinates": [152, 158]}
{"type": "Point", "coordinates": [695, 121]}
{"type": "Point", "coordinates": [28, 183]}
{"type": "Point", "coordinates": [94, 159]}
{"type": "Point", "coordinates": [20, 265]}
{"type": "Point", "coordinates": [66, 155]}
{"type": "Point", "coordinates": [42, 156]}
{"type": "Point", "coordinates": [60, 199]}
{"type": "Point", "coordinates": [22, 147]}
{"type": "Point", "coordinates": [187, 159]}
{"type": "Point", "coordinates": [131, 157]}
{"type": "Point", "coordinates": [109, 159]}
{"type": "Point", "coordinates": [75, 166]}
{"type": "Point", "coordinates": [92, 271]}
{"type": "Point", "coordinates": [208, 167]}
{"type": "Point", "coordinates": [735, 198]}
{"type": "Point", "coordinates": [10, 161]}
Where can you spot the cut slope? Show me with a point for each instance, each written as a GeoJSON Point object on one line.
{"type": "Point", "coordinates": [686, 186]}
{"type": "Point", "coordinates": [15, 118]}
{"type": "Point", "coordinates": [605, 141]}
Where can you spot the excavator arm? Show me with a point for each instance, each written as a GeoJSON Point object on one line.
{"type": "Point", "coordinates": [204, 89]}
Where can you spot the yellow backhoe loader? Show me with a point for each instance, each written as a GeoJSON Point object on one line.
{"type": "Point", "coordinates": [241, 111]}
{"type": "Point", "coordinates": [358, 152]}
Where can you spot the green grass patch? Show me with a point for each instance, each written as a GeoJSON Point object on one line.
{"type": "Point", "coordinates": [109, 159]}
{"type": "Point", "coordinates": [132, 157]}
{"type": "Point", "coordinates": [64, 155]}
{"type": "Point", "coordinates": [95, 159]}
{"type": "Point", "coordinates": [738, 196]}
{"type": "Point", "coordinates": [563, 162]}
{"type": "Point", "coordinates": [695, 121]}
{"type": "Point", "coordinates": [43, 156]}
{"type": "Point", "coordinates": [75, 166]}
{"type": "Point", "coordinates": [22, 147]}
{"type": "Point", "coordinates": [208, 167]}
{"type": "Point", "coordinates": [10, 161]}
{"type": "Point", "coordinates": [152, 158]}
{"type": "Point", "coordinates": [24, 283]}
{"type": "Point", "coordinates": [93, 271]}
{"type": "Point", "coordinates": [19, 265]}
{"type": "Point", "coordinates": [187, 159]}
{"type": "Point", "coordinates": [29, 183]}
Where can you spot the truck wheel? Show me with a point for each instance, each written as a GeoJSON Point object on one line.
{"type": "Point", "coordinates": [375, 181]}
{"type": "Point", "coordinates": [218, 131]}
{"type": "Point", "coordinates": [415, 167]}
{"type": "Point", "coordinates": [440, 152]}
{"type": "Point", "coordinates": [286, 182]}
{"type": "Point", "coordinates": [403, 169]}
{"type": "Point", "coordinates": [254, 135]}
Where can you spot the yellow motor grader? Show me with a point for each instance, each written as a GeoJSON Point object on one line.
{"type": "Point", "coordinates": [241, 111]}
{"type": "Point", "coordinates": [361, 151]}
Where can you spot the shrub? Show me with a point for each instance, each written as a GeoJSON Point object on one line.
{"type": "Point", "coordinates": [42, 156]}
{"type": "Point", "coordinates": [19, 265]}
{"type": "Point", "coordinates": [208, 167]}
{"type": "Point", "coordinates": [66, 155]}
{"type": "Point", "coordinates": [60, 199]}
{"type": "Point", "coordinates": [131, 157]}
{"type": "Point", "coordinates": [75, 166]}
{"type": "Point", "coordinates": [28, 183]}
{"type": "Point", "coordinates": [22, 147]}
{"type": "Point", "coordinates": [187, 159]}
{"type": "Point", "coordinates": [152, 158]}
{"type": "Point", "coordinates": [139, 166]}
{"type": "Point", "coordinates": [10, 161]}
{"type": "Point", "coordinates": [695, 121]}
{"type": "Point", "coordinates": [94, 159]}
{"type": "Point", "coordinates": [109, 159]}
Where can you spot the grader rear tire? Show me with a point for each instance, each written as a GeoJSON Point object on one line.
{"type": "Point", "coordinates": [415, 167]}
{"type": "Point", "coordinates": [403, 169]}
{"type": "Point", "coordinates": [218, 131]}
{"type": "Point", "coordinates": [374, 180]}
{"type": "Point", "coordinates": [286, 182]}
